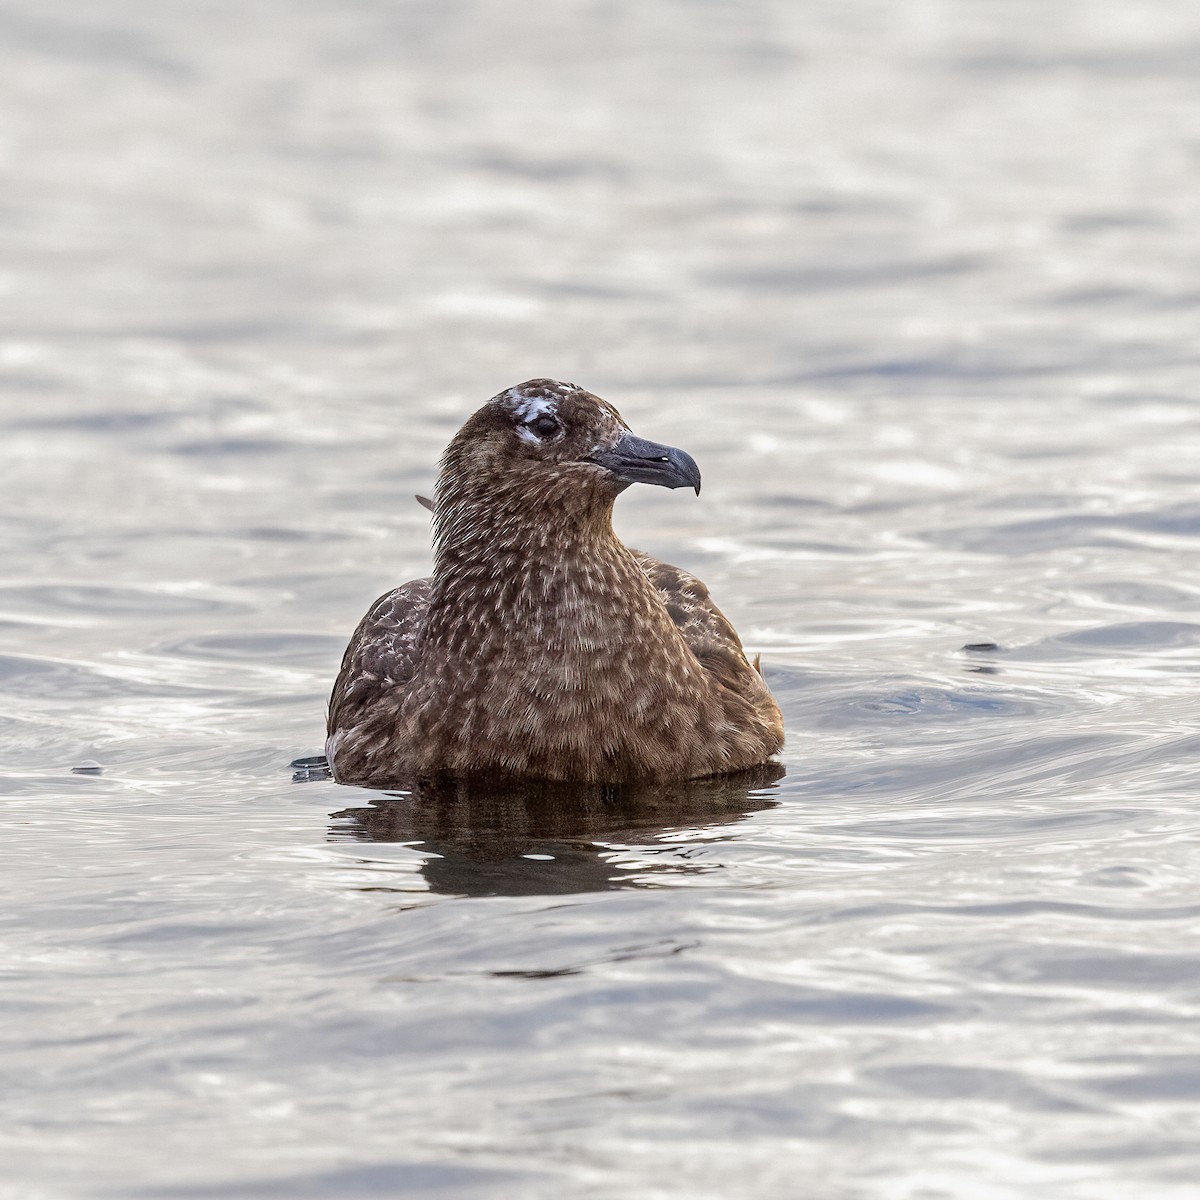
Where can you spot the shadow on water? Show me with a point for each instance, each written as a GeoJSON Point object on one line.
{"type": "Point", "coordinates": [514, 838]}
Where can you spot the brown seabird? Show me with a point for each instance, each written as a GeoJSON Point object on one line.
{"type": "Point", "coordinates": [542, 647]}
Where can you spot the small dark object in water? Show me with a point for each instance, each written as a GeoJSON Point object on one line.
{"type": "Point", "coordinates": [89, 766]}
{"type": "Point", "coordinates": [305, 770]}
{"type": "Point", "coordinates": [981, 647]}
{"type": "Point", "coordinates": [542, 647]}
{"type": "Point", "coordinates": [314, 762]}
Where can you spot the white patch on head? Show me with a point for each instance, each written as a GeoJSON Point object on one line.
{"type": "Point", "coordinates": [529, 408]}
{"type": "Point", "coordinates": [526, 408]}
{"type": "Point", "coordinates": [528, 405]}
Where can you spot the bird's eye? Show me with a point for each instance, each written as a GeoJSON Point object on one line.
{"type": "Point", "coordinates": [544, 426]}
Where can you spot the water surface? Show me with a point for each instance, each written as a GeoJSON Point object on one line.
{"type": "Point", "coordinates": [917, 287]}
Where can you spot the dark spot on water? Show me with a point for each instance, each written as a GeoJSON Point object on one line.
{"type": "Point", "coordinates": [308, 764]}
{"type": "Point", "coordinates": [548, 973]}
{"type": "Point", "coordinates": [312, 769]}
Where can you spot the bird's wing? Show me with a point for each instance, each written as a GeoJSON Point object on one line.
{"type": "Point", "coordinates": [382, 653]}
{"type": "Point", "coordinates": [705, 628]}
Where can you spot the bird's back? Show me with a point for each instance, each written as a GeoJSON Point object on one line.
{"type": "Point", "coordinates": [709, 634]}
{"type": "Point", "coordinates": [379, 661]}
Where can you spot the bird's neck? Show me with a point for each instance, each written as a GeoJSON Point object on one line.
{"type": "Point", "coordinates": [514, 579]}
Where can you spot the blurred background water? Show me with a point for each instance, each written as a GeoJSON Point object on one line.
{"type": "Point", "coordinates": [919, 287]}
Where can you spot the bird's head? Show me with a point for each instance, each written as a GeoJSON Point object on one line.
{"type": "Point", "coordinates": [559, 444]}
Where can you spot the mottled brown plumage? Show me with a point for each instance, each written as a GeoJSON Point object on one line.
{"type": "Point", "coordinates": [542, 647]}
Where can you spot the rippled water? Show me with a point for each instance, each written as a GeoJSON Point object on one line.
{"type": "Point", "coordinates": [918, 287]}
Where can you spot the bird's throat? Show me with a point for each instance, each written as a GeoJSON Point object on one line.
{"type": "Point", "coordinates": [556, 614]}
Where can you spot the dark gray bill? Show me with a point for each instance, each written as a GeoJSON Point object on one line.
{"type": "Point", "coordinates": [635, 460]}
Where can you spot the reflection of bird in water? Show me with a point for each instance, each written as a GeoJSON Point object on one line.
{"type": "Point", "coordinates": [542, 647]}
{"type": "Point", "coordinates": [481, 832]}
